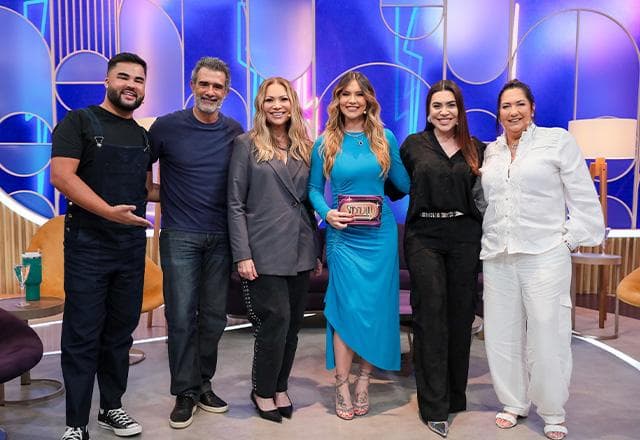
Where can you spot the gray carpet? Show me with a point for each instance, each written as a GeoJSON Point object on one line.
{"type": "Point", "coordinates": [603, 405]}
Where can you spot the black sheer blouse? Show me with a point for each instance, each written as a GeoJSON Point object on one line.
{"type": "Point", "coordinates": [439, 184]}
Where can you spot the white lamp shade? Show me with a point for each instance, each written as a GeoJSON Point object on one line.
{"type": "Point", "coordinates": [613, 138]}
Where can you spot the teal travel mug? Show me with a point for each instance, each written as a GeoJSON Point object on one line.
{"type": "Point", "coordinates": [32, 284]}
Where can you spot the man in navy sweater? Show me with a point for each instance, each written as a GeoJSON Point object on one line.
{"type": "Point", "coordinates": [194, 147]}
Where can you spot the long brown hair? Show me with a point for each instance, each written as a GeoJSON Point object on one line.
{"type": "Point", "coordinates": [467, 146]}
{"type": "Point", "coordinates": [263, 139]}
{"type": "Point", "coordinates": [373, 126]}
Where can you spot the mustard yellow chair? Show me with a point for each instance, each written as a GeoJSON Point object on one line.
{"type": "Point", "coordinates": [49, 241]}
{"type": "Point", "coordinates": [628, 292]}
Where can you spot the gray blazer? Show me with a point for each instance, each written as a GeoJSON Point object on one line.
{"type": "Point", "coordinates": [270, 219]}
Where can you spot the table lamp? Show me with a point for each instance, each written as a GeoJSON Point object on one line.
{"type": "Point", "coordinates": [601, 139]}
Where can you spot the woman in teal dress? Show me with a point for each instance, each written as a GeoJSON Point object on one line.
{"type": "Point", "coordinates": [357, 154]}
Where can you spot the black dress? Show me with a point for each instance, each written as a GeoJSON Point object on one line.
{"type": "Point", "coordinates": [442, 257]}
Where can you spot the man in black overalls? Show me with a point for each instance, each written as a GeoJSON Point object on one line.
{"type": "Point", "coordinates": [101, 162]}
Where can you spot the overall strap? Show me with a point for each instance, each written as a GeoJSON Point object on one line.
{"type": "Point", "coordinates": [96, 127]}
{"type": "Point", "coordinates": [147, 144]}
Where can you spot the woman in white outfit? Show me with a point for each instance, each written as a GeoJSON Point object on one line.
{"type": "Point", "coordinates": [532, 177]}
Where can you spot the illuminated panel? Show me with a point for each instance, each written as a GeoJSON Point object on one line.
{"type": "Point", "coordinates": [412, 20]}
{"type": "Point", "coordinates": [409, 52]}
{"type": "Point", "coordinates": [26, 117]}
{"type": "Point", "coordinates": [546, 61]}
{"type": "Point", "coordinates": [25, 84]}
{"type": "Point", "coordinates": [478, 38]}
{"type": "Point", "coordinates": [80, 79]}
{"type": "Point", "coordinates": [604, 88]}
{"type": "Point", "coordinates": [404, 34]}
{"type": "Point", "coordinates": [411, 3]}
{"type": "Point", "coordinates": [25, 148]}
{"type": "Point", "coordinates": [147, 30]}
{"type": "Point", "coordinates": [35, 201]}
{"type": "Point", "coordinates": [81, 67]}
{"type": "Point", "coordinates": [281, 37]}
{"type": "Point", "coordinates": [24, 145]}
{"type": "Point", "coordinates": [482, 124]}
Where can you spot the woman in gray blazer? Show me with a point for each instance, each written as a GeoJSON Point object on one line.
{"type": "Point", "coordinates": [271, 229]}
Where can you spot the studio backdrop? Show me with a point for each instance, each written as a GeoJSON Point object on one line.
{"type": "Point", "coordinates": [580, 57]}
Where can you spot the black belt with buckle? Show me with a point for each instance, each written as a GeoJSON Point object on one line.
{"type": "Point", "coordinates": [448, 214]}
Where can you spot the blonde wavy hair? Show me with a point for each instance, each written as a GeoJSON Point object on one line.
{"type": "Point", "coordinates": [373, 126]}
{"type": "Point", "coordinates": [263, 140]}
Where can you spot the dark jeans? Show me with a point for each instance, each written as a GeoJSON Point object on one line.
{"type": "Point", "coordinates": [103, 279]}
{"type": "Point", "coordinates": [275, 305]}
{"type": "Point", "coordinates": [196, 269]}
{"type": "Point", "coordinates": [443, 288]}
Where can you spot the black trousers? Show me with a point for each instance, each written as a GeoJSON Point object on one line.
{"type": "Point", "coordinates": [103, 280]}
{"type": "Point", "coordinates": [443, 285]}
{"type": "Point", "coordinates": [275, 305]}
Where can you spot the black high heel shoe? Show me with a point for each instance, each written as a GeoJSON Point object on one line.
{"type": "Point", "coordinates": [286, 411]}
{"type": "Point", "coordinates": [273, 415]}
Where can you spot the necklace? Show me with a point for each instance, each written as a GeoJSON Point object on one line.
{"type": "Point", "coordinates": [285, 149]}
{"type": "Point", "coordinates": [359, 138]}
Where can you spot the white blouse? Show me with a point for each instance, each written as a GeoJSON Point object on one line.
{"type": "Point", "coordinates": [528, 198]}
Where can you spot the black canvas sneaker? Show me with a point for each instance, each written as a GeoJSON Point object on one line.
{"type": "Point", "coordinates": [117, 420]}
{"type": "Point", "coordinates": [75, 433]}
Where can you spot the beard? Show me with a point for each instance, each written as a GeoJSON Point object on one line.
{"type": "Point", "coordinates": [206, 106]}
{"type": "Point", "coordinates": [114, 96]}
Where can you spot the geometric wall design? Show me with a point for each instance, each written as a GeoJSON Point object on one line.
{"type": "Point", "coordinates": [581, 58]}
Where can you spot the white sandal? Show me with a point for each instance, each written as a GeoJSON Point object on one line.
{"type": "Point", "coordinates": [548, 429]}
{"type": "Point", "coordinates": [512, 419]}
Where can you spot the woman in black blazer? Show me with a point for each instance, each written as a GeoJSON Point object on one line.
{"type": "Point", "coordinates": [272, 229]}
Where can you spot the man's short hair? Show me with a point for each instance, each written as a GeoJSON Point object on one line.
{"type": "Point", "coordinates": [212, 63]}
{"type": "Point", "coordinates": [126, 57]}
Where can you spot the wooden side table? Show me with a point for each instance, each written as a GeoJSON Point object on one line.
{"type": "Point", "coordinates": [47, 306]}
{"type": "Point", "coordinates": [603, 261]}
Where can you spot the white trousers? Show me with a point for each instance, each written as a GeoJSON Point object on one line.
{"type": "Point", "coordinates": [527, 319]}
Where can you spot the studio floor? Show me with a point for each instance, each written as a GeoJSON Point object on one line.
{"type": "Point", "coordinates": [604, 402]}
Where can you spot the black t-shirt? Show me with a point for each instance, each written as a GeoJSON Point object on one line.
{"type": "Point", "coordinates": [73, 137]}
{"type": "Point", "coordinates": [439, 184]}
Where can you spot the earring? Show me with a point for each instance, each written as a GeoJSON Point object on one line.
{"type": "Point", "coordinates": [364, 112]}
{"type": "Point", "coordinates": [429, 119]}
